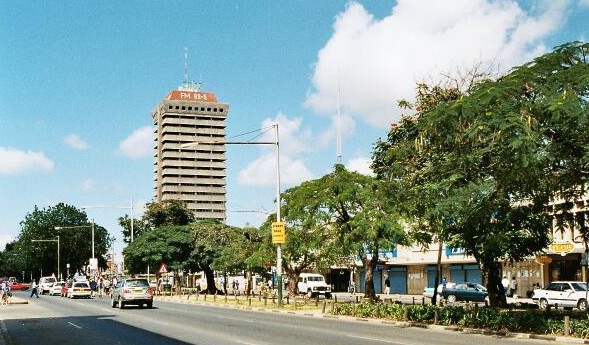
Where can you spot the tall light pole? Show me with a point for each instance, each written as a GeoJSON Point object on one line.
{"type": "Point", "coordinates": [57, 240]}
{"type": "Point", "coordinates": [276, 143]}
{"type": "Point", "coordinates": [116, 207]}
{"type": "Point", "coordinates": [79, 227]}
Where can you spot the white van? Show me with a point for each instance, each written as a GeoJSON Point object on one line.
{"type": "Point", "coordinates": [45, 284]}
{"type": "Point", "coordinates": [313, 285]}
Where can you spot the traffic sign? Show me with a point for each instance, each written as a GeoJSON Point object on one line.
{"type": "Point", "coordinates": [278, 232]}
{"type": "Point", "coordinates": [163, 269]}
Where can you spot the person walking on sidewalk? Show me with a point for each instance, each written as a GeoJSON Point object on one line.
{"type": "Point", "coordinates": [34, 290]}
{"type": "Point", "coordinates": [387, 286]}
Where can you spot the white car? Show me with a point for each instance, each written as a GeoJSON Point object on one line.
{"type": "Point", "coordinates": [567, 294]}
{"type": "Point", "coordinates": [313, 285]}
{"type": "Point", "coordinates": [55, 290]}
{"type": "Point", "coordinates": [45, 284]}
{"type": "Point", "coordinates": [79, 289]}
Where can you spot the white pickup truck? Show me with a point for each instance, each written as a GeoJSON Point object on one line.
{"type": "Point", "coordinates": [313, 285]}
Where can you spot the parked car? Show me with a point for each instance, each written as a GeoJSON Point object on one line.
{"type": "Point", "coordinates": [567, 294]}
{"type": "Point", "coordinates": [56, 288]}
{"type": "Point", "coordinates": [132, 291]}
{"type": "Point", "coordinates": [18, 286]}
{"type": "Point", "coordinates": [79, 289]}
{"type": "Point", "coordinates": [313, 285]}
{"type": "Point", "coordinates": [469, 292]}
{"type": "Point", "coordinates": [45, 284]}
{"type": "Point", "coordinates": [429, 291]}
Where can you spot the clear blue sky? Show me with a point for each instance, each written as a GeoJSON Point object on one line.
{"type": "Point", "coordinates": [78, 81]}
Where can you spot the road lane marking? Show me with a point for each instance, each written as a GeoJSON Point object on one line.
{"type": "Point", "coordinates": [73, 324]}
{"type": "Point", "coordinates": [373, 339]}
{"type": "Point", "coordinates": [234, 319]}
{"type": "Point", "coordinates": [245, 342]}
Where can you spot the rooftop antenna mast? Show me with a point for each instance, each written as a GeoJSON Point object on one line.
{"type": "Point", "coordinates": [185, 65]}
{"type": "Point", "coordinates": [186, 84]}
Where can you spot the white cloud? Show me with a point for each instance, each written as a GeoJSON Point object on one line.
{"type": "Point", "coordinates": [294, 142]}
{"type": "Point", "coordinates": [376, 62]}
{"type": "Point", "coordinates": [360, 165]}
{"type": "Point", "coordinates": [15, 162]}
{"type": "Point", "coordinates": [88, 185]}
{"type": "Point", "coordinates": [139, 144]}
{"type": "Point", "coordinates": [4, 239]}
{"type": "Point", "coordinates": [75, 141]}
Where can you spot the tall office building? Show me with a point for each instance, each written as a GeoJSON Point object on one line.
{"type": "Point", "coordinates": [184, 170]}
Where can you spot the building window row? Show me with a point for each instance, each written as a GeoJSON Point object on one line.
{"type": "Point", "coordinates": [208, 109]}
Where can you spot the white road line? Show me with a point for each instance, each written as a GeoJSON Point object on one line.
{"type": "Point", "coordinates": [245, 342]}
{"type": "Point", "coordinates": [373, 339]}
{"type": "Point", "coordinates": [73, 324]}
{"type": "Point", "coordinates": [234, 319]}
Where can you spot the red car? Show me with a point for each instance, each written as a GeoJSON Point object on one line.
{"type": "Point", "coordinates": [18, 286]}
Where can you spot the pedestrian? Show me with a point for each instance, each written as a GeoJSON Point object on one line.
{"type": "Point", "coordinates": [93, 288]}
{"type": "Point", "coordinates": [513, 287]}
{"type": "Point", "coordinates": [444, 282]}
{"type": "Point", "coordinates": [505, 283]}
{"type": "Point", "coordinates": [387, 286]}
{"type": "Point", "coordinates": [6, 293]}
{"type": "Point", "coordinates": [34, 289]}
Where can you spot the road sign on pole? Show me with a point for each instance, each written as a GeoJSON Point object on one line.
{"type": "Point", "coordinates": [278, 232]}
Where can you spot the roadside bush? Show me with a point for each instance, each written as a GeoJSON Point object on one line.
{"type": "Point", "coordinates": [518, 320]}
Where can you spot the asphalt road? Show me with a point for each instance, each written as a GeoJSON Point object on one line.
{"type": "Point", "coordinates": [57, 320]}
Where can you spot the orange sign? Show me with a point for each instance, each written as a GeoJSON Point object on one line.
{"type": "Point", "coordinates": [561, 247]}
{"type": "Point", "coordinates": [543, 259]}
{"type": "Point", "coordinates": [196, 96]}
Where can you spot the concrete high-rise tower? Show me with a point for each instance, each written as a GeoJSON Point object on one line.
{"type": "Point", "coordinates": [195, 174]}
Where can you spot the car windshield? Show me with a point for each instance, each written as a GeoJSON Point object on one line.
{"type": "Point", "coordinates": [80, 285]}
{"type": "Point", "coordinates": [315, 279]}
{"type": "Point", "coordinates": [137, 283]}
{"type": "Point", "coordinates": [579, 286]}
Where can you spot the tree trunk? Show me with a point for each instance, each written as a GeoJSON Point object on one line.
{"type": "Point", "coordinates": [211, 287]}
{"type": "Point", "coordinates": [369, 266]}
{"type": "Point", "coordinates": [494, 287]}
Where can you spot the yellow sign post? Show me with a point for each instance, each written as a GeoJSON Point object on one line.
{"type": "Point", "coordinates": [278, 232]}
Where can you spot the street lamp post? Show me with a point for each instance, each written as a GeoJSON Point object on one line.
{"type": "Point", "coordinates": [116, 207]}
{"type": "Point", "coordinates": [57, 240]}
{"type": "Point", "coordinates": [276, 142]}
{"type": "Point", "coordinates": [79, 227]}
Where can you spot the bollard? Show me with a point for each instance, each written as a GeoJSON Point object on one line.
{"type": "Point", "coordinates": [225, 298]}
{"type": "Point", "coordinates": [332, 306]}
{"type": "Point", "coordinates": [436, 315]}
{"type": "Point", "coordinates": [377, 310]}
{"type": "Point", "coordinates": [249, 301]}
{"type": "Point", "coordinates": [413, 300]}
{"type": "Point", "coordinates": [335, 297]}
{"type": "Point", "coordinates": [317, 301]}
{"type": "Point", "coordinates": [567, 326]}
{"type": "Point", "coordinates": [405, 313]}
{"type": "Point", "coordinates": [324, 306]}
{"type": "Point", "coordinates": [422, 300]}
{"type": "Point", "coordinates": [265, 301]}
{"type": "Point", "coordinates": [287, 299]}
{"type": "Point", "coordinates": [354, 309]}
{"type": "Point", "coordinates": [205, 297]}
{"type": "Point", "coordinates": [215, 297]}
{"type": "Point", "coordinates": [294, 300]}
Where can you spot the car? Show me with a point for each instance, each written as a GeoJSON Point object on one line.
{"type": "Point", "coordinates": [429, 291]}
{"type": "Point", "coordinates": [567, 294]}
{"type": "Point", "coordinates": [467, 291]}
{"type": "Point", "coordinates": [18, 286]}
{"type": "Point", "coordinates": [45, 284]}
{"type": "Point", "coordinates": [313, 285]}
{"type": "Point", "coordinates": [56, 288]}
{"type": "Point", "coordinates": [132, 291]}
{"type": "Point", "coordinates": [79, 289]}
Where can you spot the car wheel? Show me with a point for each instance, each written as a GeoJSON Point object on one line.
{"type": "Point", "coordinates": [451, 298]}
{"type": "Point", "coordinates": [582, 305]}
{"type": "Point", "coordinates": [113, 304]}
{"type": "Point", "coordinates": [309, 294]}
{"type": "Point", "coordinates": [120, 303]}
{"type": "Point", "coordinates": [543, 303]}
{"type": "Point", "coordinates": [150, 305]}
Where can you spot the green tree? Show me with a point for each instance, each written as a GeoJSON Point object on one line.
{"type": "Point", "coordinates": [499, 155]}
{"type": "Point", "coordinates": [167, 212]}
{"type": "Point", "coordinates": [75, 243]}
